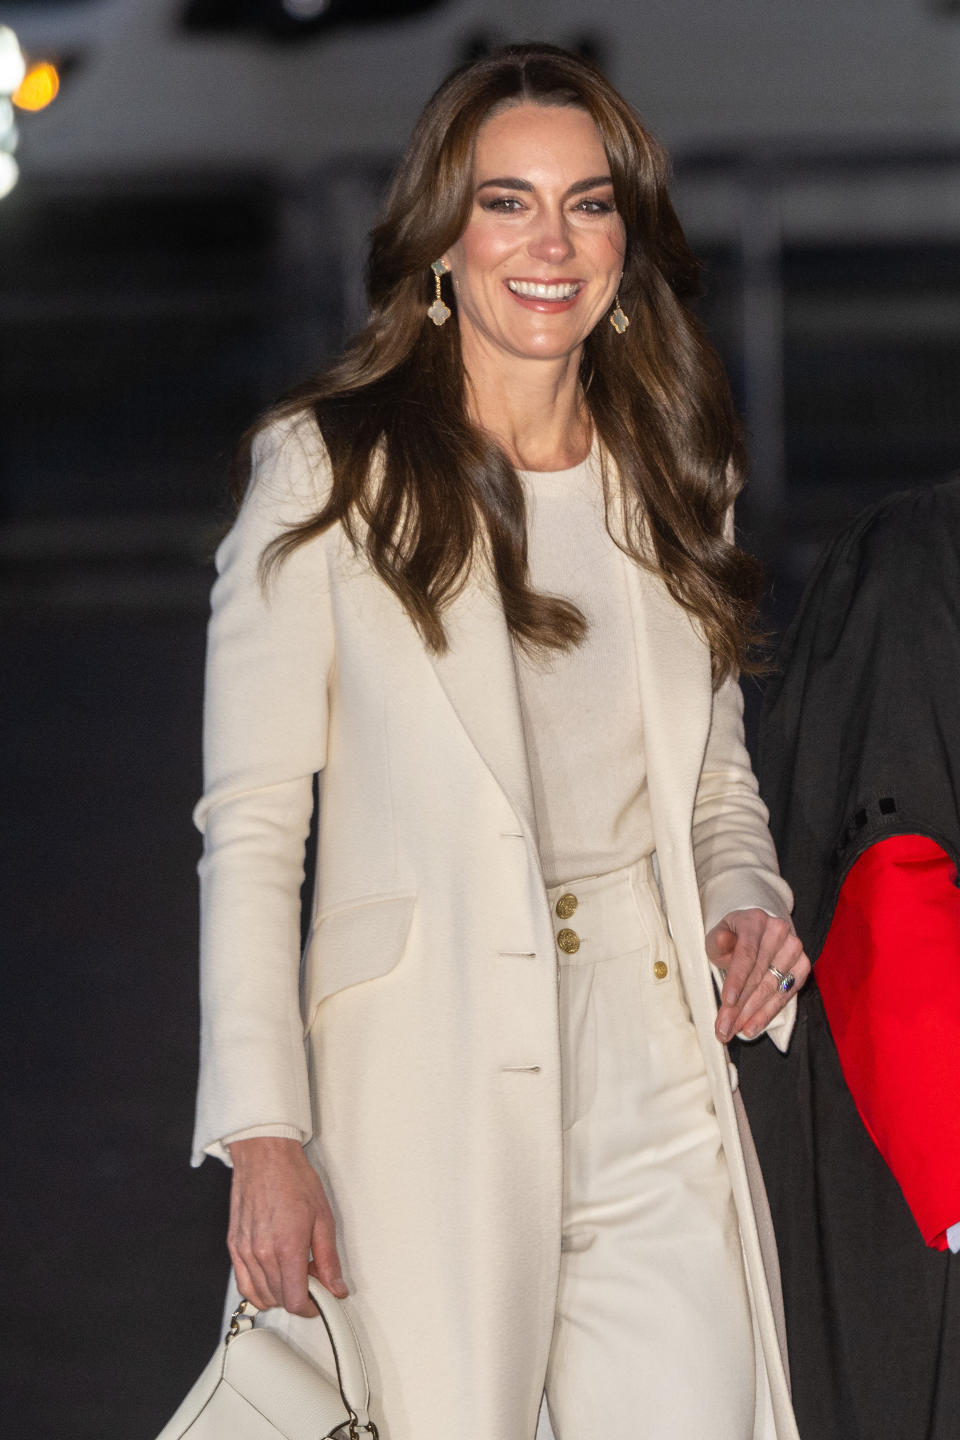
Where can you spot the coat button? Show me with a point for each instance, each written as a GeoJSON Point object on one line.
{"type": "Point", "coordinates": [566, 905]}
{"type": "Point", "coordinates": [569, 941]}
{"type": "Point", "coordinates": [660, 970]}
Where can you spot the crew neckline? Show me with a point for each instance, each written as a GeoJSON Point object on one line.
{"type": "Point", "coordinates": [588, 460]}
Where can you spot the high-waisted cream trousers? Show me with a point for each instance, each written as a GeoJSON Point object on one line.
{"type": "Point", "coordinates": [653, 1337]}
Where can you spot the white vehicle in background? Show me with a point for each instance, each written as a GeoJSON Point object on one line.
{"type": "Point", "coordinates": [199, 83]}
{"type": "Point", "coordinates": [13, 69]}
{"type": "Point", "coordinates": [797, 127]}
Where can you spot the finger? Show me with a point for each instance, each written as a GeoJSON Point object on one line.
{"type": "Point", "coordinates": [773, 941]}
{"type": "Point", "coordinates": [248, 1261]}
{"type": "Point", "coordinates": [295, 1296]}
{"type": "Point", "coordinates": [252, 1282]}
{"type": "Point", "coordinates": [737, 988]}
{"type": "Point", "coordinates": [739, 968]}
{"type": "Point", "coordinates": [779, 940]}
{"type": "Point", "coordinates": [720, 942]}
{"type": "Point", "coordinates": [244, 1281]}
{"type": "Point", "coordinates": [783, 962]}
{"type": "Point", "coordinates": [330, 1280]}
{"type": "Point", "coordinates": [766, 1011]}
{"type": "Point", "coordinates": [325, 1264]}
{"type": "Point", "coordinates": [742, 964]}
{"type": "Point", "coordinates": [251, 1279]}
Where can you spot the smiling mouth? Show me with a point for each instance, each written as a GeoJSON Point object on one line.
{"type": "Point", "coordinates": [533, 290]}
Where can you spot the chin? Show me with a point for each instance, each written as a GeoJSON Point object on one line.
{"type": "Point", "coordinates": [546, 346]}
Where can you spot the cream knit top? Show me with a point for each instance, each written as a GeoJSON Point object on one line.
{"type": "Point", "coordinates": [581, 708]}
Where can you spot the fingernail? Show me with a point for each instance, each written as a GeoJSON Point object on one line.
{"type": "Point", "coordinates": [724, 1032]}
{"type": "Point", "coordinates": [752, 1032]}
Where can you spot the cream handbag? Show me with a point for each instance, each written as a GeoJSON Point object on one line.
{"type": "Point", "coordinates": [256, 1387]}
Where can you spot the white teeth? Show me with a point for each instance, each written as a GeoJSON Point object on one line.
{"type": "Point", "coordinates": [530, 290]}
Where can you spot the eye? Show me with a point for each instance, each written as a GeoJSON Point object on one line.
{"type": "Point", "coordinates": [593, 206]}
{"type": "Point", "coordinates": [505, 204]}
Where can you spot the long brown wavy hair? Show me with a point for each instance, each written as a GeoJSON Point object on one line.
{"type": "Point", "coordinates": [427, 493]}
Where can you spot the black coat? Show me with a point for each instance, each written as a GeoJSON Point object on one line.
{"type": "Point", "coordinates": [860, 740]}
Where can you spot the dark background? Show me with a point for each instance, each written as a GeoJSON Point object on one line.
{"type": "Point", "coordinates": [147, 313]}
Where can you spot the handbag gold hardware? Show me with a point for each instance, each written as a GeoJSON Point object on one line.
{"type": "Point", "coordinates": [235, 1322]}
{"type": "Point", "coordinates": [356, 1427]}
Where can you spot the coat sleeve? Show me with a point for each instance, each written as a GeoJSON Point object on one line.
{"type": "Point", "coordinates": [269, 656]}
{"type": "Point", "coordinates": [889, 975]}
{"type": "Point", "coordinates": [733, 852]}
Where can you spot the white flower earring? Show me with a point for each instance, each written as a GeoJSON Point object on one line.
{"type": "Point", "coordinates": [618, 319]}
{"type": "Point", "coordinates": [438, 312]}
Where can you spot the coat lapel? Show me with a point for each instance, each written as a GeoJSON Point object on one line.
{"type": "Point", "coordinates": [478, 674]}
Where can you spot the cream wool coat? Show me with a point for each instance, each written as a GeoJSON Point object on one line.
{"type": "Point", "coordinates": [416, 1046]}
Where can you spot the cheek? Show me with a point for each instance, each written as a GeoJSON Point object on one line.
{"type": "Point", "coordinates": [478, 253]}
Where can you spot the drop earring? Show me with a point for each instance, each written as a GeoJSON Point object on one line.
{"type": "Point", "coordinates": [618, 319]}
{"type": "Point", "coordinates": [438, 312]}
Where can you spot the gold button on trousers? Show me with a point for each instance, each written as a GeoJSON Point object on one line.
{"type": "Point", "coordinates": [653, 1338]}
{"type": "Point", "coordinates": [566, 905]}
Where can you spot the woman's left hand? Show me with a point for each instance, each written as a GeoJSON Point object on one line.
{"type": "Point", "coordinates": [745, 944]}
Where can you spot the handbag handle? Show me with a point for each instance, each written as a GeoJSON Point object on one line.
{"type": "Point", "coordinates": [352, 1379]}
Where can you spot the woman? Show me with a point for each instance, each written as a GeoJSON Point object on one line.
{"type": "Point", "coordinates": [421, 602]}
{"type": "Point", "coordinates": [859, 751]}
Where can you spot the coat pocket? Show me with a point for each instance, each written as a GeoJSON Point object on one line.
{"type": "Point", "coordinates": [351, 943]}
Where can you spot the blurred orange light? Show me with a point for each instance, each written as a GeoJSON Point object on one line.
{"type": "Point", "coordinates": [38, 87]}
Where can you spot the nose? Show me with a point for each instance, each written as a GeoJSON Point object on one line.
{"type": "Point", "coordinates": [552, 240]}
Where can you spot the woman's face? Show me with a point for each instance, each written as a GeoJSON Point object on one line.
{"type": "Point", "coordinates": [538, 264]}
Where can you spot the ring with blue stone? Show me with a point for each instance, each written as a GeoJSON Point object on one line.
{"type": "Point", "coordinates": [785, 983]}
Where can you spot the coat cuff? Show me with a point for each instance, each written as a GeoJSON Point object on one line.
{"type": "Point", "coordinates": [256, 1132]}
{"type": "Point", "coordinates": [218, 1149]}
{"type": "Point", "coordinates": [746, 889]}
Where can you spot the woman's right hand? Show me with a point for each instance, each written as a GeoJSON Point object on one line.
{"type": "Point", "coordinates": [279, 1214]}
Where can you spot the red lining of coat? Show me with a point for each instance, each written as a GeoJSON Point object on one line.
{"type": "Point", "coordinates": [889, 974]}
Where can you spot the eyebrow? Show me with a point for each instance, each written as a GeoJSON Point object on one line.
{"type": "Point", "coordinates": [512, 182]}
